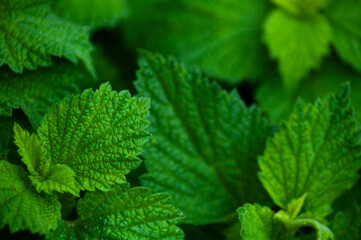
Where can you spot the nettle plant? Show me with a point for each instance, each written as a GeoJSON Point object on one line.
{"type": "Point", "coordinates": [87, 142]}
{"type": "Point", "coordinates": [212, 156]}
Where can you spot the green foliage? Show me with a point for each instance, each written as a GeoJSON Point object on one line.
{"type": "Point", "coordinates": [112, 121]}
{"type": "Point", "coordinates": [93, 13]}
{"type": "Point", "coordinates": [223, 37]}
{"type": "Point", "coordinates": [21, 206]}
{"type": "Point", "coordinates": [122, 213]}
{"type": "Point", "coordinates": [30, 34]}
{"type": "Point", "coordinates": [197, 130]}
{"type": "Point", "coordinates": [97, 134]}
{"type": "Point", "coordinates": [347, 225]}
{"type": "Point", "coordinates": [227, 38]}
{"type": "Point", "coordinates": [316, 142]}
{"type": "Point", "coordinates": [298, 43]}
{"type": "Point", "coordinates": [35, 91]}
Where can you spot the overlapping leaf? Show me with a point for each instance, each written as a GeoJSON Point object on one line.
{"type": "Point", "coordinates": [35, 91]}
{"type": "Point", "coordinates": [205, 141]}
{"type": "Point", "coordinates": [315, 153]}
{"type": "Point", "coordinates": [21, 206]}
{"type": "Point", "coordinates": [122, 213]}
{"type": "Point", "coordinates": [347, 225]}
{"type": "Point", "coordinates": [223, 37]}
{"type": "Point", "coordinates": [30, 34]}
{"type": "Point", "coordinates": [97, 134]}
{"type": "Point", "coordinates": [92, 13]}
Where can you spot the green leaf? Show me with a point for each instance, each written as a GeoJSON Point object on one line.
{"type": "Point", "coordinates": [97, 134]}
{"type": "Point", "coordinates": [297, 43]}
{"type": "Point", "coordinates": [315, 152]}
{"type": "Point", "coordinates": [60, 178]}
{"type": "Point", "coordinates": [92, 13]}
{"type": "Point", "coordinates": [6, 134]}
{"type": "Point", "coordinates": [345, 20]}
{"type": "Point", "coordinates": [21, 206]}
{"type": "Point", "coordinates": [347, 225]}
{"type": "Point", "coordinates": [223, 37]}
{"type": "Point", "coordinates": [197, 132]}
{"type": "Point", "coordinates": [259, 223]}
{"type": "Point", "coordinates": [44, 176]}
{"type": "Point", "coordinates": [123, 213]}
{"type": "Point", "coordinates": [36, 91]}
{"type": "Point", "coordinates": [30, 34]}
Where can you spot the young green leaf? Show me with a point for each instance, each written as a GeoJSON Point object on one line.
{"type": "Point", "coordinates": [97, 134]}
{"type": "Point", "coordinates": [44, 176]}
{"type": "Point", "coordinates": [35, 91]}
{"type": "Point", "coordinates": [259, 223]}
{"type": "Point", "coordinates": [298, 43]}
{"type": "Point", "coordinates": [21, 206]}
{"type": "Point", "coordinates": [122, 213]}
{"type": "Point", "coordinates": [30, 34]}
{"type": "Point", "coordinates": [203, 138]}
{"type": "Point", "coordinates": [315, 152]}
{"type": "Point", "coordinates": [92, 13]}
{"type": "Point", "coordinates": [223, 37]}
{"type": "Point", "coordinates": [347, 225]}
{"type": "Point", "coordinates": [345, 20]}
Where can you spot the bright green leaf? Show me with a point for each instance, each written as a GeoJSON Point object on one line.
{"type": "Point", "coordinates": [203, 138]}
{"type": "Point", "coordinates": [30, 34]}
{"type": "Point", "coordinates": [301, 7]}
{"type": "Point", "coordinates": [223, 37]}
{"type": "Point", "coordinates": [36, 91]}
{"type": "Point", "coordinates": [92, 13]}
{"type": "Point", "coordinates": [315, 152]}
{"type": "Point", "coordinates": [97, 134]}
{"type": "Point", "coordinates": [123, 213]}
{"type": "Point", "coordinates": [259, 223]}
{"type": "Point", "coordinates": [298, 43]}
{"type": "Point", "coordinates": [59, 178]}
{"type": "Point", "coordinates": [21, 206]}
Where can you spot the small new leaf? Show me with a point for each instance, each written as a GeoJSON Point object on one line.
{"type": "Point", "coordinates": [59, 178]}
{"type": "Point", "coordinates": [97, 134]}
{"type": "Point", "coordinates": [44, 176]}
{"type": "Point", "coordinates": [315, 152]}
{"type": "Point", "coordinates": [21, 206]}
{"type": "Point", "coordinates": [122, 213]}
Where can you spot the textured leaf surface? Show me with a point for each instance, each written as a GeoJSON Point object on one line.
{"type": "Point", "coordinates": [223, 37]}
{"type": "Point", "coordinates": [314, 152]}
{"type": "Point", "coordinates": [59, 177]}
{"type": "Point", "coordinates": [21, 206]}
{"type": "Point", "coordinates": [97, 134]}
{"type": "Point", "coordinates": [259, 223]}
{"type": "Point", "coordinates": [123, 213]}
{"type": "Point", "coordinates": [203, 138]}
{"type": "Point", "coordinates": [30, 34]}
{"type": "Point", "coordinates": [44, 176]}
{"type": "Point", "coordinates": [297, 43]}
{"type": "Point", "coordinates": [345, 18]}
{"type": "Point", "coordinates": [36, 91]}
{"type": "Point", "coordinates": [92, 13]}
{"type": "Point", "coordinates": [347, 225]}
